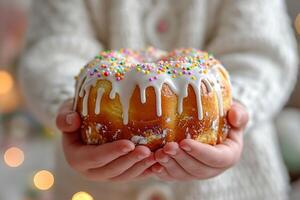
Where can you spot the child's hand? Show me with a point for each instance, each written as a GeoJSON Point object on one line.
{"type": "Point", "coordinates": [192, 160]}
{"type": "Point", "coordinates": [119, 160]}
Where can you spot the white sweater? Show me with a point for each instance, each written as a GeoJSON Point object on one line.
{"type": "Point", "coordinates": [252, 38]}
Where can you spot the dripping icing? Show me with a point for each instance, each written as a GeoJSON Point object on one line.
{"type": "Point", "coordinates": [100, 93]}
{"type": "Point", "coordinates": [133, 78]}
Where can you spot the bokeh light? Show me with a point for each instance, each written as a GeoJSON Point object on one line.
{"type": "Point", "coordinates": [43, 180]}
{"type": "Point", "coordinates": [297, 23]}
{"type": "Point", "coordinates": [14, 157]}
{"type": "Point", "coordinates": [82, 196]}
{"type": "Point", "coordinates": [6, 82]}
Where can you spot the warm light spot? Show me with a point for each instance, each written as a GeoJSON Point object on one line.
{"type": "Point", "coordinates": [297, 23]}
{"type": "Point", "coordinates": [14, 157]}
{"type": "Point", "coordinates": [43, 180]}
{"type": "Point", "coordinates": [82, 196]}
{"type": "Point", "coordinates": [6, 82]}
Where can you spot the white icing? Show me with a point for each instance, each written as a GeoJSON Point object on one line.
{"type": "Point", "coordinates": [207, 85]}
{"type": "Point", "coordinates": [98, 127]}
{"type": "Point", "coordinates": [143, 95]}
{"type": "Point", "coordinates": [181, 93]}
{"type": "Point", "coordinates": [78, 87]}
{"type": "Point", "coordinates": [214, 125]}
{"type": "Point", "coordinates": [218, 90]}
{"type": "Point", "coordinates": [158, 100]}
{"type": "Point", "coordinates": [125, 88]}
{"type": "Point", "coordinates": [85, 93]}
{"type": "Point", "coordinates": [197, 90]}
{"type": "Point", "coordinates": [85, 100]}
{"type": "Point", "coordinates": [136, 139]}
{"type": "Point", "coordinates": [100, 93]}
{"type": "Point", "coordinates": [168, 120]}
{"type": "Point", "coordinates": [225, 128]}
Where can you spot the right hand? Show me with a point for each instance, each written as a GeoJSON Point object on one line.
{"type": "Point", "coordinates": [116, 161]}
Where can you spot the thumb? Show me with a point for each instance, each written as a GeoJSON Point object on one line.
{"type": "Point", "coordinates": [238, 116]}
{"type": "Point", "coordinates": [68, 121]}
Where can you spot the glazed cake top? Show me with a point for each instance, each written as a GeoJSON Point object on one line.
{"type": "Point", "coordinates": [176, 63]}
{"type": "Point", "coordinates": [126, 69]}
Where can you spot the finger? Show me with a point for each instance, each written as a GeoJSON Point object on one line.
{"type": "Point", "coordinates": [68, 121]}
{"type": "Point", "coordinates": [235, 135]}
{"type": "Point", "coordinates": [120, 165]}
{"type": "Point", "coordinates": [161, 172]}
{"type": "Point", "coordinates": [137, 170]}
{"type": "Point", "coordinates": [146, 174]}
{"type": "Point", "coordinates": [235, 142]}
{"type": "Point", "coordinates": [171, 166]}
{"type": "Point", "coordinates": [219, 156]}
{"type": "Point", "coordinates": [238, 116]}
{"type": "Point", "coordinates": [84, 157]}
{"type": "Point", "coordinates": [72, 141]}
{"type": "Point", "coordinates": [190, 164]}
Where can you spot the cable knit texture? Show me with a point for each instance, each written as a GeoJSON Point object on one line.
{"type": "Point", "coordinates": [252, 38]}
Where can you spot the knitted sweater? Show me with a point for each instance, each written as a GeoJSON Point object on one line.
{"type": "Point", "coordinates": [252, 38]}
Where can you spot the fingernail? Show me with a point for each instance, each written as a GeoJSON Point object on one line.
{"type": "Point", "coordinates": [172, 153]}
{"type": "Point", "coordinates": [164, 159]}
{"type": "Point", "coordinates": [70, 118]}
{"type": "Point", "coordinates": [141, 156]}
{"type": "Point", "coordinates": [186, 147]}
{"type": "Point", "coordinates": [127, 149]}
{"type": "Point", "coordinates": [238, 119]}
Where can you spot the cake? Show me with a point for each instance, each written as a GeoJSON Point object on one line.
{"type": "Point", "coordinates": [152, 97]}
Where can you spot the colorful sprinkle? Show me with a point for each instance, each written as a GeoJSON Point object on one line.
{"type": "Point", "coordinates": [178, 63]}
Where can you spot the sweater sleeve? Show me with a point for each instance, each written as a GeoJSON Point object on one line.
{"type": "Point", "coordinates": [254, 40]}
{"type": "Point", "coordinates": [60, 41]}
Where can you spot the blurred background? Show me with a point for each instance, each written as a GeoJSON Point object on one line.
{"type": "Point", "coordinates": [26, 150]}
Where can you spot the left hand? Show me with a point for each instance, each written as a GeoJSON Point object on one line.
{"type": "Point", "coordinates": [115, 161]}
{"type": "Point", "coordinates": [191, 160]}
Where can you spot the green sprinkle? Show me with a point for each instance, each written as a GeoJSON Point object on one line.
{"type": "Point", "coordinates": [99, 57]}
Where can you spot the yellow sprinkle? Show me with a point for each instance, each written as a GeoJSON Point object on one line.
{"type": "Point", "coordinates": [206, 56]}
{"type": "Point", "coordinates": [173, 76]}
